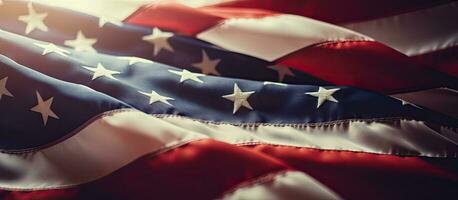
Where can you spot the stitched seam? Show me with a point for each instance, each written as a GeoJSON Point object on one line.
{"type": "Point", "coordinates": [292, 125]}
{"type": "Point", "coordinates": [334, 42]}
{"type": "Point", "coordinates": [243, 125]}
{"type": "Point", "coordinates": [402, 155]}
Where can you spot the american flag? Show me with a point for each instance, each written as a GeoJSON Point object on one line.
{"type": "Point", "coordinates": [228, 99]}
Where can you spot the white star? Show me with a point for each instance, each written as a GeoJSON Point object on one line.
{"type": "Point", "coordinates": [3, 90]}
{"type": "Point", "coordinates": [51, 48]}
{"type": "Point", "coordinates": [159, 39]}
{"type": "Point", "coordinates": [44, 108]}
{"type": "Point", "coordinates": [239, 98]}
{"type": "Point", "coordinates": [187, 75]}
{"type": "Point", "coordinates": [207, 65]}
{"type": "Point", "coordinates": [104, 20]}
{"type": "Point", "coordinates": [34, 20]}
{"type": "Point", "coordinates": [155, 97]}
{"type": "Point", "coordinates": [275, 83]}
{"type": "Point", "coordinates": [135, 60]}
{"type": "Point", "coordinates": [100, 70]}
{"type": "Point", "coordinates": [323, 94]}
{"type": "Point", "coordinates": [282, 71]}
{"type": "Point", "coordinates": [81, 43]}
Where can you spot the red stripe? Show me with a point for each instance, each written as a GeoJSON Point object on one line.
{"type": "Point", "coordinates": [365, 64]}
{"type": "Point", "coordinates": [337, 11]}
{"type": "Point", "coordinates": [445, 60]}
{"type": "Point", "coordinates": [207, 169]}
{"type": "Point", "coordinates": [185, 20]}
{"type": "Point", "coordinates": [35, 195]}
{"type": "Point", "coordinates": [371, 176]}
{"type": "Point", "coordinates": [200, 170]}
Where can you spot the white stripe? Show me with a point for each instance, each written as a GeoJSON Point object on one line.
{"type": "Point", "coordinates": [272, 37]}
{"type": "Point", "coordinates": [442, 100]}
{"type": "Point", "coordinates": [113, 9]}
{"type": "Point", "coordinates": [416, 32]}
{"type": "Point", "coordinates": [291, 185]}
{"type": "Point", "coordinates": [105, 145]}
{"type": "Point", "coordinates": [390, 136]}
{"type": "Point", "coordinates": [119, 137]}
